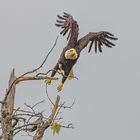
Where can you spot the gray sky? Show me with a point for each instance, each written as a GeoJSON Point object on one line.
{"type": "Point", "coordinates": [107, 92]}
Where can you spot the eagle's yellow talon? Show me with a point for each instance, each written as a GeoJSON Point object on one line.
{"type": "Point", "coordinates": [60, 86]}
{"type": "Point", "coordinates": [48, 81]}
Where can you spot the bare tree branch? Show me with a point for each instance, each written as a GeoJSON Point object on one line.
{"type": "Point", "coordinates": [21, 78]}
{"type": "Point", "coordinates": [48, 96]}
{"type": "Point", "coordinates": [44, 125]}
{"type": "Point", "coordinates": [14, 121]}
{"type": "Point", "coordinates": [38, 103]}
{"type": "Point", "coordinates": [20, 110]}
{"type": "Point", "coordinates": [30, 107]}
{"type": "Point", "coordinates": [36, 69]}
{"type": "Point", "coordinates": [67, 107]}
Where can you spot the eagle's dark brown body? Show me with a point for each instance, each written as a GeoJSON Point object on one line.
{"type": "Point", "coordinates": [68, 24]}
{"type": "Point", "coordinates": [67, 64]}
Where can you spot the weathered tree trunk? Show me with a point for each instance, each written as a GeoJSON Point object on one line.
{"type": "Point", "coordinates": [7, 111]}
{"type": "Point", "coordinates": [9, 119]}
{"type": "Point", "coordinates": [43, 125]}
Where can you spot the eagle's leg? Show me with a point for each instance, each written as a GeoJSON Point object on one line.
{"type": "Point", "coordinates": [60, 86]}
{"type": "Point", "coordinates": [71, 75]}
{"type": "Point", "coordinates": [48, 81]}
{"type": "Point", "coordinates": [60, 70]}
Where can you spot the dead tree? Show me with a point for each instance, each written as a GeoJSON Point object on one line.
{"type": "Point", "coordinates": [14, 121]}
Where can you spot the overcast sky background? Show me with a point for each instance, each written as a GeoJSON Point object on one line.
{"type": "Point", "coordinates": [107, 93]}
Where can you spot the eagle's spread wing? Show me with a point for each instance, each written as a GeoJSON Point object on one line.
{"type": "Point", "coordinates": [68, 25]}
{"type": "Point", "coordinates": [99, 39]}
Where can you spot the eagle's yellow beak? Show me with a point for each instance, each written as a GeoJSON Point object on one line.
{"type": "Point", "coordinates": [73, 52]}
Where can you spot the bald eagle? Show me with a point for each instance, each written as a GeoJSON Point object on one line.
{"type": "Point", "coordinates": [71, 52]}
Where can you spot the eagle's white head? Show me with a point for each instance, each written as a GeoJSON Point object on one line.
{"type": "Point", "coordinates": [71, 54]}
